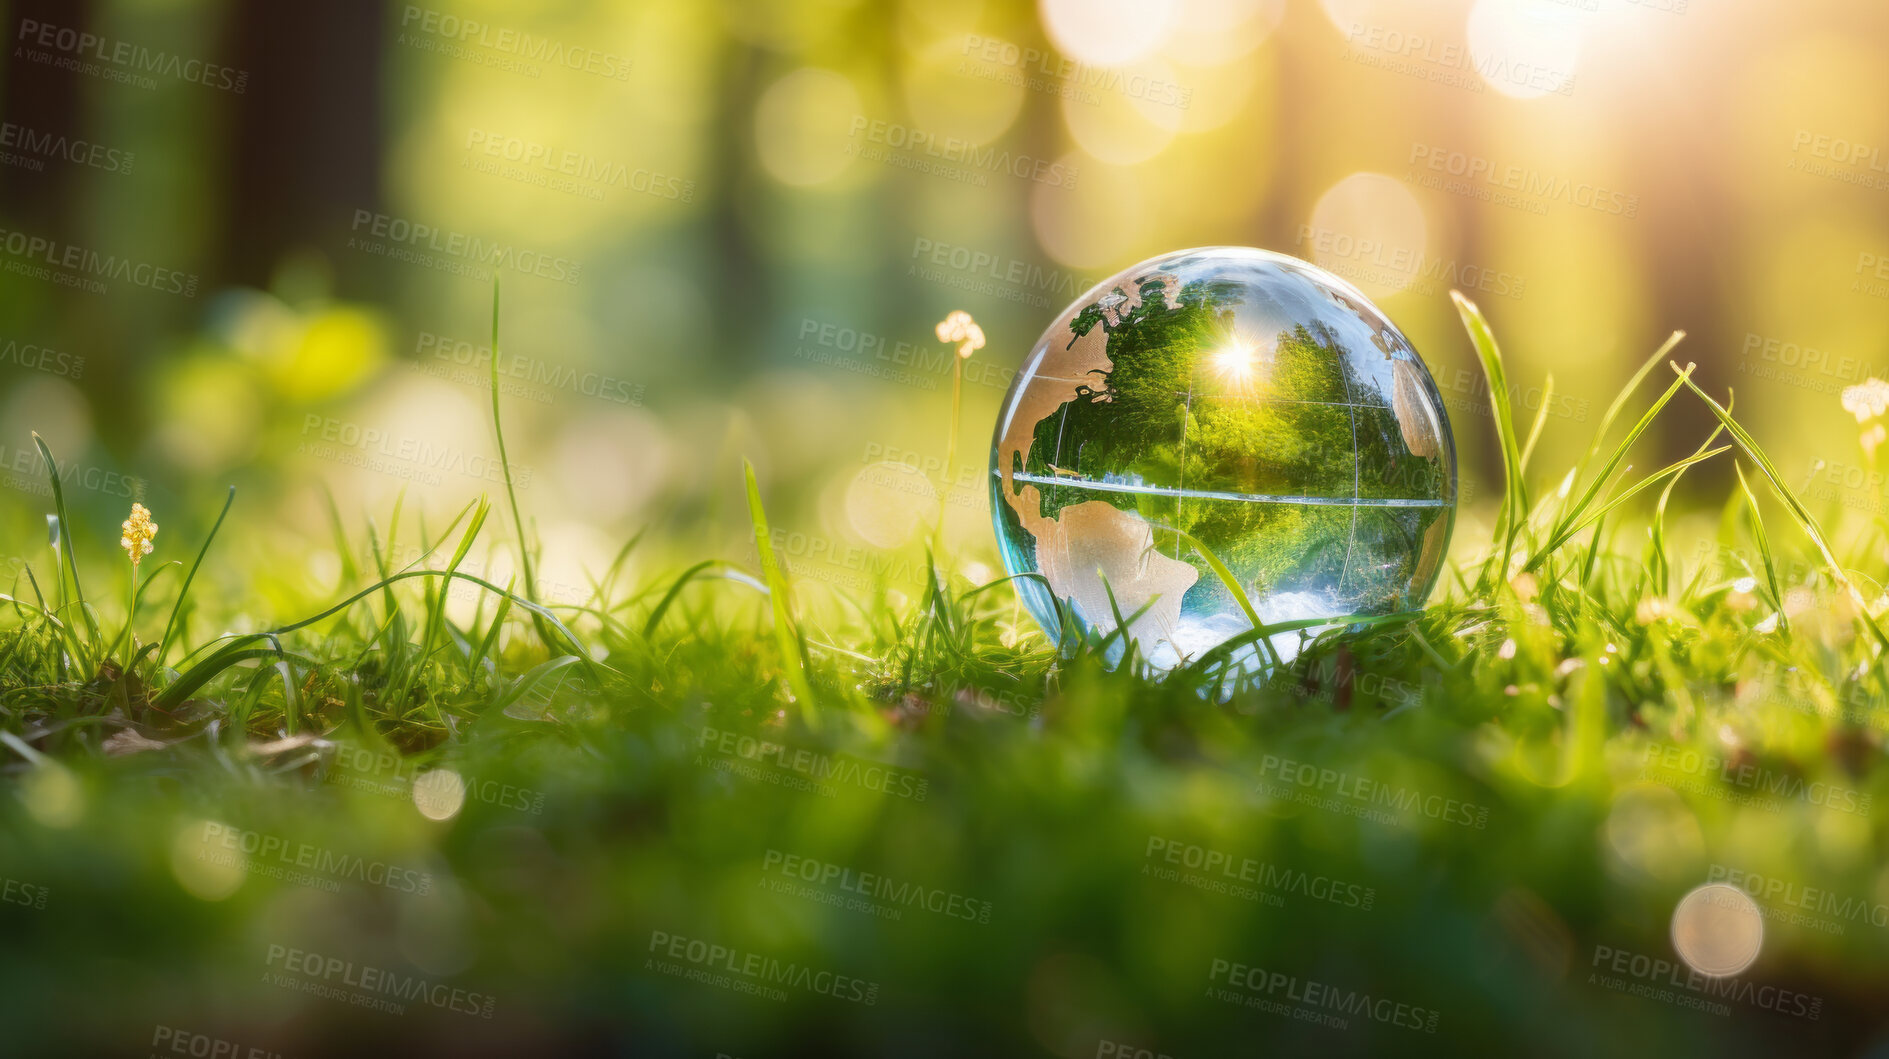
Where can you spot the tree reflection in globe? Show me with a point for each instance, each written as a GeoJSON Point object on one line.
{"type": "Point", "coordinates": [1256, 402]}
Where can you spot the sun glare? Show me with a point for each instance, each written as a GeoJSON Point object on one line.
{"type": "Point", "coordinates": [1238, 362]}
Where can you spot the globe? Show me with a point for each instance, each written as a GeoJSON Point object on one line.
{"type": "Point", "coordinates": [1254, 403]}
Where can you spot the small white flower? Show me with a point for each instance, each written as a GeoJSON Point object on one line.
{"type": "Point", "coordinates": [1866, 399]}
{"type": "Point", "coordinates": [960, 328]}
{"type": "Point", "coordinates": [139, 529]}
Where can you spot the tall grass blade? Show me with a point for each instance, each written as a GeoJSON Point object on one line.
{"type": "Point", "coordinates": [1573, 513]}
{"type": "Point", "coordinates": [1233, 586]}
{"type": "Point", "coordinates": [1661, 562]}
{"type": "Point", "coordinates": [69, 560]}
{"type": "Point", "coordinates": [511, 490]}
{"type": "Point", "coordinates": [1514, 492]}
{"type": "Point", "coordinates": [1567, 533]}
{"type": "Point", "coordinates": [669, 597]}
{"type": "Point", "coordinates": [1804, 518]}
{"type": "Point", "coordinates": [786, 634]}
{"type": "Point", "coordinates": [1541, 419]}
{"type": "Point", "coordinates": [490, 642]}
{"type": "Point", "coordinates": [177, 607]}
{"type": "Point", "coordinates": [1763, 542]}
{"type": "Point", "coordinates": [1620, 400]}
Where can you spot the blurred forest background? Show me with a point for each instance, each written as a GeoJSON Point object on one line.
{"type": "Point", "coordinates": [254, 243]}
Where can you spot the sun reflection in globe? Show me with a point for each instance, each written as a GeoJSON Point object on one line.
{"type": "Point", "coordinates": [1252, 401]}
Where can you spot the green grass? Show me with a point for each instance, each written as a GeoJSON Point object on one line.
{"type": "Point", "coordinates": [1505, 773]}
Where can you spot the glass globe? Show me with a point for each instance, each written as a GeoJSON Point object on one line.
{"type": "Point", "coordinates": [1250, 400]}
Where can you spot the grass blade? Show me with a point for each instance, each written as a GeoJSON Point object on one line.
{"type": "Point", "coordinates": [177, 608]}
{"type": "Point", "coordinates": [511, 490]}
{"type": "Point", "coordinates": [530, 680]}
{"type": "Point", "coordinates": [1541, 418]}
{"type": "Point", "coordinates": [1620, 400]}
{"type": "Point", "coordinates": [1568, 517]}
{"type": "Point", "coordinates": [70, 561]}
{"type": "Point", "coordinates": [1763, 542]}
{"type": "Point", "coordinates": [1233, 585]}
{"type": "Point", "coordinates": [1804, 518]}
{"type": "Point", "coordinates": [669, 597]}
{"type": "Point", "coordinates": [1514, 493]}
{"type": "Point", "coordinates": [486, 645]}
{"type": "Point", "coordinates": [201, 673]}
{"type": "Point", "coordinates": [1662, 565]}
{"type": "Point", "coordinates": [1567, 533]}
{"type": "Point", "coordinates": [786, 636]}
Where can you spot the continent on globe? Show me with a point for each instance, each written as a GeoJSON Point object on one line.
{"type": "Point", "coordinates": [1251, 400]}
{"type": "Point", "coordinates": [1098, 539]}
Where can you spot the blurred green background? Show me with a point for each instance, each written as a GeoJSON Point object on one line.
{"type": "Point", "coordinates": [254, 244]}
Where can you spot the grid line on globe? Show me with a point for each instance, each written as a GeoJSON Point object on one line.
{"type": "Point", "coordinates": [1252, 400]}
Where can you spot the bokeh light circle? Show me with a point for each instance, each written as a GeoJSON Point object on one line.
{"type": "Point", "coordinates": [439, 793]}
{"type": "Point", "coordinates": [1369, 229]}
{"type": "Point", "coordinates": [1525, 49]}
{"type": "Point", "coordinates": [951, 91]}
{"type": "Point", "coordinates": [1718, 930]}
{"type": "Point", "coordinates": [886, 502]}
{"type": "Point", "coordinates": [1106, 32]}
{"type": "Point", "coordinates": [803, 126]}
